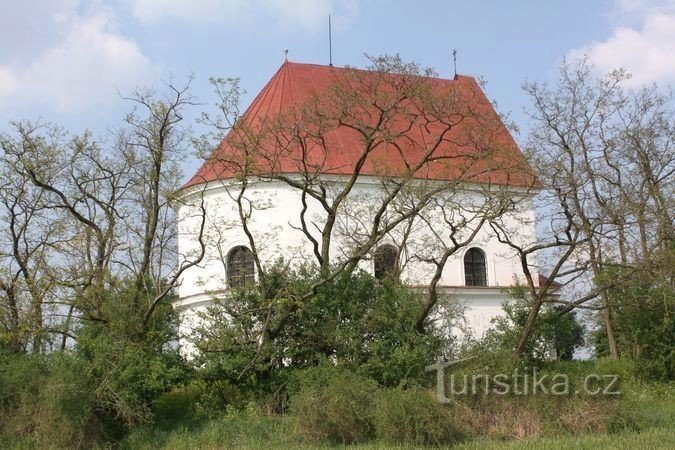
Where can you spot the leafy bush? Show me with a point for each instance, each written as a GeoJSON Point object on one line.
{"type": "Point", "coordinates": [555, 335]}
{"type": "Point", "coordinates": [642, 306]}
{"type": "Point", "coordinates": [329, 403]}
{"type": "Point", "coordinates": [522, 413]}
{"type": "Point", "coordinates": [413, 416]}
{"type": "Point", "coordinates": [362, 324]}
{"type": "Point", "coordinates": [178, 406]}
{"type": "Point", "coordinates": [129, 364]}
{"type": "Point", "coordinates": [47, 400]}
{"type": "Point", "coordinates": [625, 367]}
{"type": "Point", "coordinates": [332, 404]}
{"type": "Point", "coordinates": [354, 321]}
{"type": "Point", "coordinates": [98, 390]}
{"type": "Point", "coordinates": [651, 404]}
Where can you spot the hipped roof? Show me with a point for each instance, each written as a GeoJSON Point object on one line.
{"type": "Point", "coordinates": [458, 155]}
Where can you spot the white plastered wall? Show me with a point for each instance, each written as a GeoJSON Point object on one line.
{"type": "Point", "coordinates": [274, 209]}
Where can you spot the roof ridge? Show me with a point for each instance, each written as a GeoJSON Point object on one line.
{"type": "Point", "coordinates": [285, 78]}
{"type": "Point", "coordinates": [262, 95]}
{"type": "Point", "coordinates": [326, 66]}
{"type": "Point", "coordinates": [292, 75]}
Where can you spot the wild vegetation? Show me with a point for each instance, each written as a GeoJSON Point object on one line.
{"type": "Point", "coordinates": [325, 354]}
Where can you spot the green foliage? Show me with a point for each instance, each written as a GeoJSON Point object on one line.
{"type": "Point", "coordinates": [232, 366]}
{"type": "Point", "coordinates": [413, 416]}
{"type": "Point", "coordinates": [179, 405]}
{"type": "Point", "coordinates": [253, 339]}
{"type": "Point", "coordinates": [651, 403]}
{"type": "Point", "coordinates": [555, 335]}
{"type": "Point", "coordinates": [332, 404]}
{"type": "Point", "coordinates": [47, 401]}
{"type": "Point", "coordinates": [100, 388]}
{"type": "Point", "coordinates": [235, 429]}
{"type": "Point", "coordinates": [129, 365]}
{"type": "Point", "coordinates": [642, 307]}
{"type": "Point", "coordinates": [220, 434]}
{"type": "Point", "coordinates": [363, 325]}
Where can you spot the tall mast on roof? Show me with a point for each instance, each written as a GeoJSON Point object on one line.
{"type": "Point", "coordinates": [330, 44]}
{"type": "Point", "coordinates": [454, 60]}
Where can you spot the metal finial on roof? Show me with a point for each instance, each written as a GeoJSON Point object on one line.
{"type": "Point", "coordinates": [285, 54]}
{"type": "Point", "coordinates": [454, 59]}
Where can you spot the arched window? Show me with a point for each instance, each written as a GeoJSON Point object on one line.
{"type": "Point", "coordinates": [240, 267]}
{"type": "Point", "coordinates": [475, 271]}
{"type": "Point", "coordinates": [385, 260]}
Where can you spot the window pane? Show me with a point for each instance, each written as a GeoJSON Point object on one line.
{"type": "Point", "coordinates": [240, 267]}
{"type": "Point", "coordinates": [474, 268]}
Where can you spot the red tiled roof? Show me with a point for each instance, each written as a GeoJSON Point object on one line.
{"type": "Point", "coordinates": [458, 155]}
{"type": "Point", "coordinates": [543, 280]}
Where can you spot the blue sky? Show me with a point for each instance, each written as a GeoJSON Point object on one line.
{"type": "Point", "coordinates": [64, 60]}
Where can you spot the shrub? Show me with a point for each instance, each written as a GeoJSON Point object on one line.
{"type": "Point", "coordinates": [180, 405]}
{"type": "Point", "coordinates": [554, 336]}
{"type": "Point", "coordinates": [527, 415]}
{"type": "Point", "coordinates": [332, 404]}
{"type": "Point", "coordinates": [413, 416]}
{"type": "Point", "coordinates": [129, 364]}
{"type": "Point", "coordinates": [625, 367]}
{"type": "Point", "coordinates": [234, 429]}
{"type": "Point", "coordinates": [642, 306]}
{"type": "Point", "coordinates": [490, 417]}
{"type": "Point", "coordinates": [101, 388]}
{"type": "Point", "coordinates": [47, 400]}
{"type": "Point", "coordinates": [354, 321]}
{"type": "Point", "coordinates": [520, 417]}
{"type": "Point", "coordinates": [651, 404]}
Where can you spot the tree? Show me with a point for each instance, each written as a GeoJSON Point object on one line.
{"type": "Point", "coordinates": [26, 279]}
{"type": "Point", "coordinates": [643, 305]}
{"type": "Point", "coordinates": [605, 158]}
{"type": "Point", "coordinates": [88, 259]}
{"type": "Point", "coordinates": [553, 337]}
{"type": "Point", "coordinates": [82, 214]}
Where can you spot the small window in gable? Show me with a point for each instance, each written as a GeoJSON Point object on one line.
{"type": "Point", "coordinates": [386, 262]}
{"type": "Point", "coordinates": [475, 272]}
{"type": "Point", "coordinates": [240, 267]}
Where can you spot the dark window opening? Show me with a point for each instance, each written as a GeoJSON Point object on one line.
{"type": "Point", "coordinates": [240, 267]}
{"type": "Point", "coordinates": [386, 262]}
{"type": "Point", "coordinates": [475, 272]}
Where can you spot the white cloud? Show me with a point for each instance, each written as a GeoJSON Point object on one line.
{"type": "Point", "coordinates": [8, 82]}
{"type": "Point", "coordinates": [638, 8]}
{"type": "Point", "coordinates": [79, 69]}
{"type": "Point", "coordinates": [646, 50]}
{"type": "Point", "coordinates": [28, 26]}
{"type": "Point", "coordinates": [187, 10]}
{"type": "Point", "coordinates": [306, 14]}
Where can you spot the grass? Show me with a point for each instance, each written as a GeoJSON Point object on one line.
{"type": "Point", "coordinates": [653, 405]}
{"type": "Point", "coordinates": [647, 414]}
{"type": "Point", "coordinates": [655, 438]}
{"type": "Point", "coordinates": [215, 437]}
